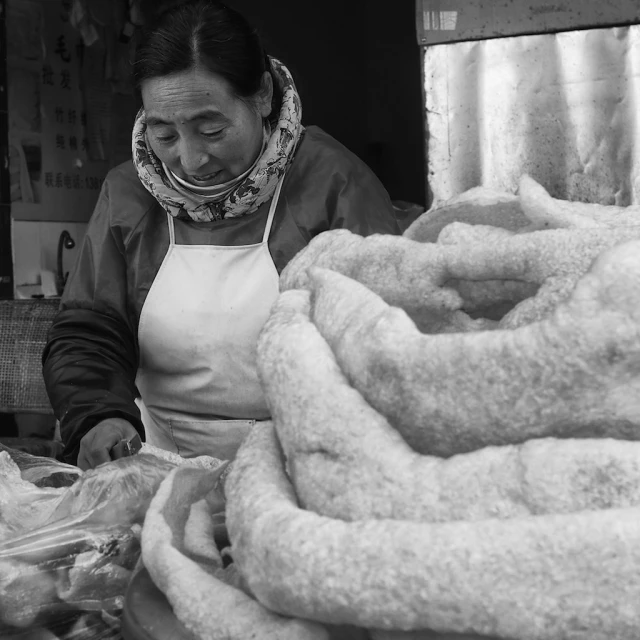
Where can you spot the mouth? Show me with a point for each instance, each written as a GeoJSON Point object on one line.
{"type": "Point", "coordinates": [203, 180]}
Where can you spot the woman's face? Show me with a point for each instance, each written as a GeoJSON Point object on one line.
{"type": "Point", "coordinates": [199, 129]}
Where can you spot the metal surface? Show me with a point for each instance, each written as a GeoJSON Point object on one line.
{"type": "Point", "coordinates": [461, 20]}
{"type": "Point", "coordinates": [561, 107]}
{"type": "Point", "coordinates": [126, 448]}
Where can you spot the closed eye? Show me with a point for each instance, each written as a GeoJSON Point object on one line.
{"type": "Point", "coordinates": [163, 135]}
{"type": "Point", "coordinates": [212, 134]}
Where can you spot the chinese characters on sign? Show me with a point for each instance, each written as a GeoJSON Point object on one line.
{"type": "Point", "coordinates": [70, 179]}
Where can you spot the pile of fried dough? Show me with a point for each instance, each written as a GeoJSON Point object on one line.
{"type": "Point", "coordinates": [454, 449]}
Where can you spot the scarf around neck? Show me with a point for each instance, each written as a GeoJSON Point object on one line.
{"type": "Point", "coordinates": [254, 190]}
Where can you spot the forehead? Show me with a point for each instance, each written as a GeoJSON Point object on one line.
{"type": "Point", "coordinates": [180, 96]}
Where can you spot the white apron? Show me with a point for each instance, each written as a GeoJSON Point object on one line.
{"type": "Point", "coordinates": [198, 330]}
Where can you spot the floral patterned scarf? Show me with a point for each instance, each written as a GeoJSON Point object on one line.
{"type": "Point", "coordinates": [259, 185]}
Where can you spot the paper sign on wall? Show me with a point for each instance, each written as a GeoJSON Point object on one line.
{"type": "Point", "coordinates": [66, 184]}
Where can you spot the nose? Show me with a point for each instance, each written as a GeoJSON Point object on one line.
{"type": "Point", "coordinates": [192, 156]}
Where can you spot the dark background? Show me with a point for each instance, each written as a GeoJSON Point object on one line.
{"type": "Point", "coordinates": [356, 64]}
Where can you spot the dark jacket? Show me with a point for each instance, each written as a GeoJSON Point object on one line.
{"type": "Point", "coordinates": [91, 358]}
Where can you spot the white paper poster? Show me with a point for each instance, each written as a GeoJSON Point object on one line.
{"type": "Point", "coordinates": [68, 182]}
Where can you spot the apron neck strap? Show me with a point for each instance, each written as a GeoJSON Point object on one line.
{"type": "Point", "coordinates": [172, 231]}
{"type": "Point", "coordinates": [272, 211]}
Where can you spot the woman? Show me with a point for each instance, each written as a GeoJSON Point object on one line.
{"type": "Point", "coordinates": [179, 268]}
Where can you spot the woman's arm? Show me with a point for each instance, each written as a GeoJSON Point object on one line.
{"type": "Point", "coordinates": [91, 357]}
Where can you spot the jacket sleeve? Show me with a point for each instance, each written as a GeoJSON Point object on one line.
{"type": "Point", "coordinates": [91, 357]}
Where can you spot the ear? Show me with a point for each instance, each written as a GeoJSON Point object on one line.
{"type": "Point", "coordinates": [265, 95]}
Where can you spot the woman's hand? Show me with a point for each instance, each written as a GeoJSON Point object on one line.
{"type": "Point", "coordinates": [96, 445]}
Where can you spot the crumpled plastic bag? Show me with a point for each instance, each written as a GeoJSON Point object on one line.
{"type": "Point", "coordinates": [41, 471]}
{"type": "Point", "coordinates": [23, 505]}
{"type": "Point", "coordinates": [68, 553]}
{"type": "Point", "coordinates": [80, 571]}
{"type": "Point", "coordinates": [71, 626]}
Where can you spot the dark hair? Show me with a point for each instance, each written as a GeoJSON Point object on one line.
{"type": "Point", "coordinates": [190, 33]}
